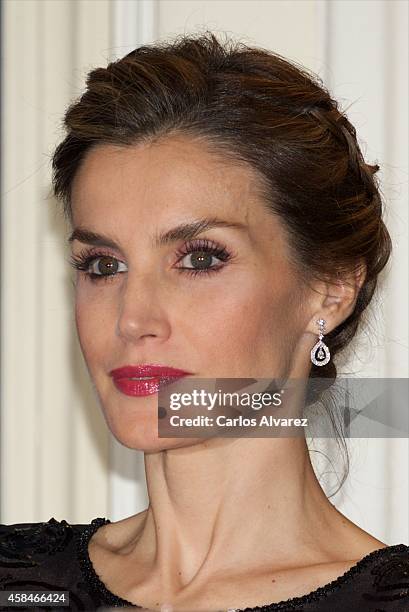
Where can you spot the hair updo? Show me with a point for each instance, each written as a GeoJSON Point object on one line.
{"type": "Point", "coordinates": [253, 106]}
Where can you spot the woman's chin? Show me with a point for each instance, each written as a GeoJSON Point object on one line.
{"type": "Point", "coordinates": [147, 440]}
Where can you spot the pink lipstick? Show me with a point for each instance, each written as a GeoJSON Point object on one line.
{"type": "Point", "coordinates": [144, 379]}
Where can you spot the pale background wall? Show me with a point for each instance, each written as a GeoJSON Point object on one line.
{"type": "Point", "coordinates": [57, 457]}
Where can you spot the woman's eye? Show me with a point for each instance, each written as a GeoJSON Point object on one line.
{"type": "Point", "coordinates": [199, 260]}
{"type": "Point", "coordinates": [96, 266]}
{"type": "Point", "coordinates": [104, 266]}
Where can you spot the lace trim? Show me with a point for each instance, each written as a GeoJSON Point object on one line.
{"type": "Point", "coordinates": [288, 604]}
{"type": "Point", "coordinates": [88, 570]}
{"type": "Point", "coordinates": [327, 589]}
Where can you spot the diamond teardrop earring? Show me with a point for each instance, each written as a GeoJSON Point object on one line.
{"type": "Point", "coordinates": [323, 355]}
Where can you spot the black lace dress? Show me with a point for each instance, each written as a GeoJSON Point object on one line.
{"type": "Point", "coordinates": [53, 556]}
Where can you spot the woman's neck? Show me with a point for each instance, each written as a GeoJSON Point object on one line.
{"type": "Point", "coordinates": [218, 504]}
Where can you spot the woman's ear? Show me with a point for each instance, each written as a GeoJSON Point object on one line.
{"type": "Point", "coordinates": [336, 299]}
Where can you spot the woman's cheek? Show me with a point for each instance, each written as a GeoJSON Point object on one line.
{"type": "Point", "coordinates": [226, 313]}
{"type": "Point", "coordinates": [91, 317]}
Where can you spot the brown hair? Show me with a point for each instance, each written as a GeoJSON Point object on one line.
{"type": "Point", "coordinates": [251, 105]}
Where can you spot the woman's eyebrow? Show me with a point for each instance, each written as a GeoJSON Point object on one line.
{"type": "Point", "coordinates": [187, 231]}
{"type": "Point", "coordinates": [183, 231]}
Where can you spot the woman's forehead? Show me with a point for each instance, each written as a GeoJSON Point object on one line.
{"type": "Point", "coordinates": [173, 180]}
{"type": "Point", "coordinates": [173, 165]}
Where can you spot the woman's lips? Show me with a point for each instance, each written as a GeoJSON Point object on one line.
{"type": "Point", "coordinates": [142, 387]}
{"type": "Point", "coordinates": [148, 379]}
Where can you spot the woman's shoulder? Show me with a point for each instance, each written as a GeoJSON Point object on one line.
{"type": "Point", "coordinates": [27, 544]}
{"type": "Point", "coordinates": [24, 544]}
{"type": "Point", "coordinates": [388, 584]}
{"type": "Point", "coordinates": [377, 582]}
{"type": "Point", "coordinates": [44, 556]}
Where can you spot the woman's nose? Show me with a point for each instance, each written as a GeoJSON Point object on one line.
{"type": "Point", "coordinates": [141, 312]}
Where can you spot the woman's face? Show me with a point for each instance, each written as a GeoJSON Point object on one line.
{"type": "Point", "coordinates": [237, 312]}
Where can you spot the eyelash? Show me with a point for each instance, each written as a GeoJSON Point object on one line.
{"type": "Point", "coordinates": [83, 261]}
